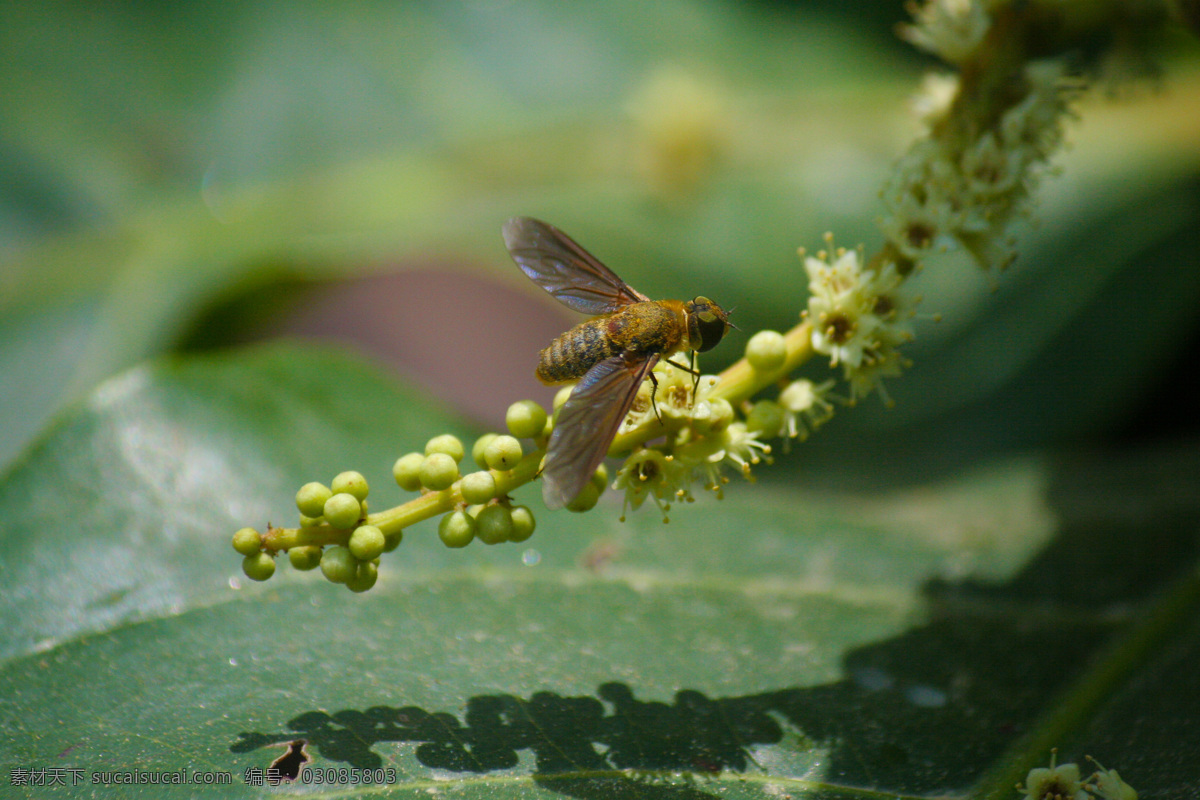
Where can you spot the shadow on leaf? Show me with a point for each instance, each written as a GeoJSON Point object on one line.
{"type": "Point", "coordinates": [928, 711]}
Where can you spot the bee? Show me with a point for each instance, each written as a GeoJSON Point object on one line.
{"type": "Point", "coordinates": [610, 355]}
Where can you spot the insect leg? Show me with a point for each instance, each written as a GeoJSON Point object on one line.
{"type": "Point", "coordinates": [695, 373]}
{"type": "Point", "coordinates": [653, 392]}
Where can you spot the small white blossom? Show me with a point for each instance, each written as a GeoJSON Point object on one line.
{"type": "Point", "coordinates": [673, 397]}
{"type": "Point", "coordinates": [647, 473]}
{"type": "Point", "coordinates": [804, 407]}
{"type": "Point", "coordinates": [839, 308]}
{"type": "Point", "coordinates": [989, 170]}
{"type": "Point", "coordinates": [951, 29]}
{"type": "Point", "coordinates": [1036, 122]}
{"type": "Point", "coordinates": [933, 99]}
{"type": "Point", "coordinates": [1054, 783]}
{"type": "Point", "coordinates": [883, 362]}
{"type": "Point", "coordinates": [923, 198]}
{"type": "Point", "coordinates": [892, 305]}
{"type": "Point", "coordinates": [1108, 784]}
{"type": "Point", "coordinates": [742, 448]}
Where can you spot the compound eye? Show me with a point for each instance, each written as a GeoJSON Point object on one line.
{"type": "Point", "coordinates": [707, 324]}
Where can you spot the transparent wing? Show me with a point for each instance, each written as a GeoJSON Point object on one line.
{"type": "Point", "coordinates": [587, 424]}
{"type": "Point", "coordinates": [564, 269]}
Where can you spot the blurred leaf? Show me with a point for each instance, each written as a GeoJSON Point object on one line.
{"type": "Point", "coordinates": [774, 642]}
{"type": "Point", "coordinates": [163, 156]}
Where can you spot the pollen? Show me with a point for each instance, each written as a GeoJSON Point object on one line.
{"type": "Point", "coordinates": [838, 328]}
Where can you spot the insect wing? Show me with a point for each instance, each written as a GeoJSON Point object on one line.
{"type": "Point", "coordinates": [587, 424]}
{"type": "Point", "coordinates": [571, 274]}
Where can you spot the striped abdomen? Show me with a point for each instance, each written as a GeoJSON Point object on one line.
{"type": "Point", "coordinates": [572, 354]}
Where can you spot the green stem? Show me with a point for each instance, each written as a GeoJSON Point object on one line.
{"type": "Point", "coordinates": [394, 520]}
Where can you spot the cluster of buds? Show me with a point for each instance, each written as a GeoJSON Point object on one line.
{"type": "Point", "coordinates": [337, 534]}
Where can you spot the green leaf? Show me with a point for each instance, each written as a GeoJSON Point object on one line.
{"type": "Point", "coordinates": [156, 161]}
{"type": "Point", "coordinates": [776, 642]}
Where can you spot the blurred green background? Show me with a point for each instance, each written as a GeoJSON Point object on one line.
{"type": "Point", "coordinates": [194, 176]}
{"type": "Point", "coordinates": [998, 564]}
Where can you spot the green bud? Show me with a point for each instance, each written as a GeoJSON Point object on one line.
{"type": "Point", "coordinates": [478, 487]}
{"type": "Point", "coordinates": [338, 564]}
{"type": "Point", "coordinates": [392, 540]}
{"type": "Point", "coordinates": [720, 414]}
{"type": "Point", "coordinates": [305, 558]}
{"type": "Point", "coordinates": [600, 478]}
{"type": "Point", "coordinates": [586, 500]}
{"type": "Point", "coordinates": [478, 449]}
{"type": "Point", "coordinates": [560, 397]}
{"type": "Point", "coordinates": [407, 471]}
{"type": "Point", "coordinates": [494, 524]}
{"type": "Point", "coordinates": [456, 529]}
{"type": "Point", "coordinates": [450, 445]}
{"type": "Point", "coordinates": [503, 453]}
{"type": "Point", "coordinates": [352, 483]}
{"type": "Point", "coordinates": [311, 499]}
{"type": "Point", "coordinates": [258, 567]}
{"type": "Point", "coordinates": [523, 524]}
{"type": "Point", "coordinates": [765, 419]}
{"type": "Point", "coordinates": [766, 351]}
{"type": "Point", "coordinates": [364, 578]}
{"type": "Point", "coordinates": [525, 419]}
{"type": "Point", "coordinates": [367, 542]}
{"type": "Point", "coordinates": [439, 471]}
{"type": "Point", "coordinates": [247, 541]}
{"type": "Point", "coordinates": [342, 511]}
{"type": "Point", "coordinates": [310, 522]}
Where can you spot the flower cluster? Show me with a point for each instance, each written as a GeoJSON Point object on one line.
{"type": "Point", "coordinates": [1063, 782]}
{"type": "Point", "coordinates": [859, 316]}
{"type": "Point", "coordinates": [965, 182]}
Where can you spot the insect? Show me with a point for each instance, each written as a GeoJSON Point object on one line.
{"type": "Point", "coordinates": [610, 355]}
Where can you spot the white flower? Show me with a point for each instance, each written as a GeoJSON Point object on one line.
{"type": "Point", "coordinates": [673, 397]}
{"type": "Point", "coordinates": [892, 305]}
{"type": "Point", "coordinates": [649, 473]}
{"type": "Point", "coordinates": [742, 447]}
{"type": "Point", "coordinates": [951, 29]}
{"type": "Point", "coordinates": [1108, 784]}
{"type": "Point", "coordinates": [883, 362]}
{"type": "Point", "coordinates": [924, 200]}
{"type": "Point", "coordinates": [839, 307]}
{"type": "Point", "coordinates": [804, 407]}
{"type": "Point", "coordinates": [1056, 783]}
{"type": "Point", "coordinates": [988, 169]}
{"type": "Point", "coordinates": [934, 98]}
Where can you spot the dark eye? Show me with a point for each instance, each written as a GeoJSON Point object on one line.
{"type": "Point", "coordinates": [708, 323]}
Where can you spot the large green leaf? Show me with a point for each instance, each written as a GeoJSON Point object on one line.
{"type": "Point", "coordinates": [774, 643]}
